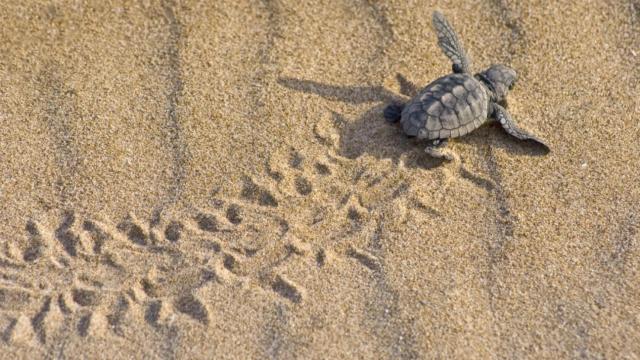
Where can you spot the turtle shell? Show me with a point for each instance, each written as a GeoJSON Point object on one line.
{"type": "Point", "coordinates": [450, 106]}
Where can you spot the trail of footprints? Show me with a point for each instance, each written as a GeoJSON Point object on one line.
{"type": "Point", "coordinates": [61, 292]}
{"type": "Point", "coordinates": [97, 276]}
{"type": "Point", "coordinates": [59, 289]}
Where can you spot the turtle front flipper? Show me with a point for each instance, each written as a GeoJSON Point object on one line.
{"type": "Point", "coordinates": [502, 116]}
{"type": "Point", "coordinates": [450, 44]}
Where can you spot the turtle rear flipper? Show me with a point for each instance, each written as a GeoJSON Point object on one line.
{"type": "Point", "coordinates": [437, 149]}
{"type": "Point", "coordinates": [393, 112]}
{"type": "Point", "coordinates": [504, 118]}
{"type": "Point", "coordinates": [450, 44]}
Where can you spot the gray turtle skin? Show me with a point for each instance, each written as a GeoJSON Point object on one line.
{"type": "Point", "coordinates": [458, 103]}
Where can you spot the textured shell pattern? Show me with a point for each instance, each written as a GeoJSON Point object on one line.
{"type": "Point", "coordinates": [449, 107]}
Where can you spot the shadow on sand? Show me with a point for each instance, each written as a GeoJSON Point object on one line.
{"type": "Point", "coordinates": [373, 135]}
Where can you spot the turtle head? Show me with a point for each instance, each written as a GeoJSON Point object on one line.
{"type": "Point", "coordinates": [500, 79]}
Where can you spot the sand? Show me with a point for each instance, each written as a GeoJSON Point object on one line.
{"type": "Point", "coordinates": [214, 179]}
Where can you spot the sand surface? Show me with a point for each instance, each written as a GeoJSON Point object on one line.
{"type": "Point", "coordinates": [198, 179]}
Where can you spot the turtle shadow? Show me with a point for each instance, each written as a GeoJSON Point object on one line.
{"type": "Point", "coordinates": [371, 133]}
{"type": "Point", "coordinates": [348, 94]}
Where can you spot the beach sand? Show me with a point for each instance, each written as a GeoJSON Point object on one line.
{"type": "Point", "coordinates": [215, 179]}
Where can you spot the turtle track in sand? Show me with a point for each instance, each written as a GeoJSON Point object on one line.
{"type": "Point", "coordinates": [169, 56]}
{"type": "Point", "coordinates": [59, 103]}
{"type": "Point", "coordinates": [193, 253]}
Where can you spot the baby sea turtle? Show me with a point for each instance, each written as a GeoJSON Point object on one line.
{"type": "Point", "coordinates": [457, 103]}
